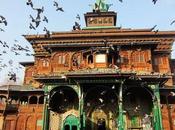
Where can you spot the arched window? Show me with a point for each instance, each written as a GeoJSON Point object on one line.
{"type": "Point", "coordinates": [41, 100]}
{"type": "Point", "coordinates": [66, 60]}
{"type": "Point", "coordinates": [90, 59]}
{"type": "Point", "coordinates": [24, 100]}
{"type": "Point", "coordinates": [14, 99]}
{"type": "Point", "coordinates": [110, 59]}
{"type": "Point", "coordinates": [3, 99]}
{"type": "Point", "coordinates": [79, 59]}
{"type": "Point", "coordinates": [33, 100]}
{"type": "Point", "coordinates": [45, 63]}
{"type": "Point", "coordinates": [67, 127]}
{"type": "Point", "coordinates": [74, 127]}
{"type": "Point", "coordinates": [61, 59]}
{"type": "Point", "coordinates": [139, 57]}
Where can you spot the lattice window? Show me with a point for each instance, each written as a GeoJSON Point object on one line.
{"type": "Point", "coordinates": [61, 59]}
{"type": "Point", "coordinates": [158, 61]}
{"type": "Point", "coordinates": [138, 57]}
{"type": "Point", "coordinates": [45, 63]}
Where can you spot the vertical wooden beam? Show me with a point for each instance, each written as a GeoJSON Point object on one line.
{"type": "Point", "coordinates": [157, 115]}
{"type": "Point", "coordinates": [81, 107]}
{"type": "Point", "coordinates": [46, 112]}
{"type": "Point", "coordinates": [120, 102]}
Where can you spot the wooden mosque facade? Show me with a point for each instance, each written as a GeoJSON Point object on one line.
{"type": "Point", "coordinates": [100, 77]}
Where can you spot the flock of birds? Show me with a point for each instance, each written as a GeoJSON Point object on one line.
{"type": "Point", "coordinates": [35, 21]}
{"type": "Point", "coordinates": [16, 48]}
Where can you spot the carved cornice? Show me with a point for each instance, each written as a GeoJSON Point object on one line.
{"type": "Point", "coordinates": [88, 38]}
{"type": "Point", "coordinates": [104, 33]}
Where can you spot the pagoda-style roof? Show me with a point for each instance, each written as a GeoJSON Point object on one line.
{"type": "Point", "coordinates": [121, 32]}
{"type": "Point", "coordinates": [89, 38]}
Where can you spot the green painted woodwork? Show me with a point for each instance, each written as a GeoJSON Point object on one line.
{"type": "Point", "coordinates": [79, 122]}
{"type": "Point", "coordinates": [157, 115]}
{"type": "Point", "coordinates": [46, 111]}
{"type": "Point", "coordinates": [71, 121]}
{"type": "Point", "coordinates": [121, 116]}
{"type": "Point", "coordinates": [99, 81]}
{"type": "Point", "coordinates": [39, 122]}
{"type": "Point", "coordinates": [81, 104]}
{"type": "Point", "coordinates": [103, 7]}
{"type": "Point", "coordinates": [135, 121]}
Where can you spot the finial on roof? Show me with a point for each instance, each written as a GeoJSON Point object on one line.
{"type": "Point", "coordinates": [101, 6]}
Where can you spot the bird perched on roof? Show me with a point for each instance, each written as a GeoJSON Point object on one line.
{"type": "Point", "coordinates": [96, 8]}
{"type": "Point", "coordinates": [30, 3]}
{"type": "Point", "coordinates": [45, 19]}
{"type": "Point", "coordinates": [76, 26]}
{"type": "Point", "coordinates": [57, 7]}
{"type": "Point", "coordinates": [153, 27]}
{"type": "Point", "coordinates": [3, 20]}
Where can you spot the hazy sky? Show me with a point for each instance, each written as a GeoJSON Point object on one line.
{"type": "Point", "coordinates": [130, 14]}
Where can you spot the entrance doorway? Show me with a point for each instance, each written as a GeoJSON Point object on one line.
{"type": "Point", "coordinates": [101, 124]}
{"type": "Point", "coordinates": [71, 123]}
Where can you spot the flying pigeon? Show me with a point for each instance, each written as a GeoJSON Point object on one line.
{"type": "Point", "coordinates": [45, 19]}
{"type": "Point", "coordinates": [32, 27]}
{"type": "Point", "coordinates": [57, 7]}
{"type": "Point", "coordinates": [3, 20]}
{"type": "Point", "coordinates": [29, 2]}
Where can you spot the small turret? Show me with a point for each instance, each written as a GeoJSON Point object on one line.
{"type": "Point", "coordinates": [100, 17]}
